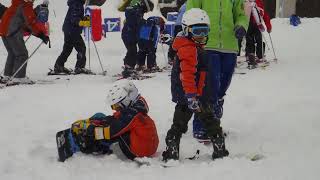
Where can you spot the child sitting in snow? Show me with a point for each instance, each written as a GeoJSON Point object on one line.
{"type": "Point", "coordinates": [130, 125]}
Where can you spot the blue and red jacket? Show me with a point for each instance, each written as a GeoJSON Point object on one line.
{"type": "Point", "coordinates": [188, 73]}
{"type": "Point", "coordinates": [143, 136]}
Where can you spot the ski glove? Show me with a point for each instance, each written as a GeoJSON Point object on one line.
{"type": "Point", "coordinates": [240, 32]}
{"type": "Point", "coordinates": [261, 27]}
{"type": "Point", "coordinates": [45, 39]}
{"type": "Point", "coordinates": [206, 112]}
{"type": "Point", "coordinates": [85, 22]}
{"type": "Point", "coordinates": [193, 103]}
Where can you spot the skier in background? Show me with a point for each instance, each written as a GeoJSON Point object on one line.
{"type": "Point", "coordinates": [148, 42]}
{"type": "Point", "coordinates": [188, 83]}
{"type": "Point", "coordinates": [254, 41]}
{"type": "Point", "coordinates": [130, 125]}
{"type": "Point", "coordinates": [72, 29]}
{"type": "Point", "coordinates": [177, 29]}
{"type": "Point", "coordinates": [130, 32]}
{"type": "Point", "coordinates": [19, 16]}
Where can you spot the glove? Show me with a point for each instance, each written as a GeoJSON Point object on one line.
{"type": "Point", "coordinates": [193, 103]}
{"type": "Point", "coordinates": [240, 32]}
{"type": "Point", "coordinates": [269, 30]}
{"type": "Point", "coordinates": [165, 38]}
{"type": "Point", "coordinates": [261, 28]}
{"type": "Point", "coordinates": [206, 112]}
{"type": "Point", "coordinates": [45, 39]}
{"type": "Point", "coordinates": [85, 22]}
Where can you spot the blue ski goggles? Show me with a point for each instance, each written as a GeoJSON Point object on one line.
{"type": "Point", "coordinates": [199, 30]}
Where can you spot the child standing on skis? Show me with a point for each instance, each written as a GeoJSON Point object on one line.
{"type": "Point", "coordinates": [72, 28]}
{"type": "Point", "coordinates": [130, 125]}
{"type": "Point", "coordinates": [130, 32]}
{"type": "Point", "coordinates": [188, 80]}
{"type": "Point", "coordinates": [148, 42]}
{"type": "Point", "coordinates": [254, 33]}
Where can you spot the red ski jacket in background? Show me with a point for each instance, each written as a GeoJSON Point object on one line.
{"type": "Point", "coordinates": [260, 7]}
{"type": "Point", "coordinates": [11, 23]}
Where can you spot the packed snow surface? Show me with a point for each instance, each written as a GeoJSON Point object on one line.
{"type": "Point", "coordinates": [272, 111]}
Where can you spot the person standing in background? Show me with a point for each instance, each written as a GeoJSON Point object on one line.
{"type": "Point", "coordinates": [18, 17]}
{"type": "Point", "coordinates": [228, 23]}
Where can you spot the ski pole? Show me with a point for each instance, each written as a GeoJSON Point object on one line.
{"type": "Point", "coordinates": [262, 49]}
{"type": "Point", "coordinates": [88, 41]}
{"type": "Point", "coordinates": [28, 38]}
{"type": "Point", "coordinates": [25, 62]}
{"type": "Point", "coordinates": [103, 72]}
{"type": "Point", "coordinates": [265, 41]}
{"type": "Point", "coordinates": [274, 53]}
{"type": "Point", "coordinates": [87, 2]}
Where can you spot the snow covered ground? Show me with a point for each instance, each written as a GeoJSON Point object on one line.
{"type": "Point", "coordinates": [274, 112]}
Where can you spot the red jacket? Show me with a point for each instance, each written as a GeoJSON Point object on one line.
{"type": "Point", "coordinates": [260, 7]}
{"type": "Point", "coordinates": [192, 77]}
{"type": "Point", "coordinates": [135, 121]}
{"type": "Point", "coordinates": [11, 23]}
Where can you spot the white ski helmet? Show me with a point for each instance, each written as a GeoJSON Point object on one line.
{"type": "Point", "coordinates": [195, 16]}
{"type": "Point", "coordinates": [122, 93]}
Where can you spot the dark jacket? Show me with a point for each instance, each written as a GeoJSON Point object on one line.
{"type": "Point", "coordinates": [73, 17]}
{"type": "Point", "coordinates": [188, 75]}
{"type": "Point", "coordinates": [133, 22]}
{"type": "Point", "coordinates": [2, 10]}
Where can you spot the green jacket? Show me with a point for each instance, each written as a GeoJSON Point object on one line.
{"type": "Point", "coordinates": [224, 16]}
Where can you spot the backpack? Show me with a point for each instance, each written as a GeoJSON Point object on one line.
{"type": "Point", "coordinates": [150, 29]}
{"type": "Point", "coordinates": [42, 13]}
{"type": "Point", "coordinates": [294, 20]}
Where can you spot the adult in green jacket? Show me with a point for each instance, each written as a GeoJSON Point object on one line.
{"type": "Point", "coordinates": [228, 23]}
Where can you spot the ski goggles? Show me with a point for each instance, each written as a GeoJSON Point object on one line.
{"type": "Point", "coordinates": [199, 30]}
{"type": "Point", "coordinates": [116, 106]}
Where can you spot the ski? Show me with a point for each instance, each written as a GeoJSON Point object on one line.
{"type": "Point", "coordinates": [53, 73]}
{"type": "Point", "coordinates": [132, 77]}
{"type": "Point", "coordinates": [66, 144]}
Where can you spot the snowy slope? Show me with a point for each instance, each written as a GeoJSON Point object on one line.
{"type": "Point", "coordinates": [274, 112]}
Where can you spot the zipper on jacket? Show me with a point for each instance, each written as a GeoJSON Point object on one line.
{"type": "Point", "coordinates": [220, 25]}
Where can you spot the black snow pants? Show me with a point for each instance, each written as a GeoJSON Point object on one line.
{"type": "Point", "coordinates": [73, 41]}
{"type": "Point", "coordinates": [183, 114]}
{"type": "Point", "coordinates": [254, 42]}
{"type": "Point", "coordinates": [147, 50]}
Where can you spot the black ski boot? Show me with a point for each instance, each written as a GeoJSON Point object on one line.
{"type": "Point", "coordinates": [219, 148]}
{"type": "Point", "coordinates": [252, 64]}
{"type": "Point", "coordinates": [82, 71]}
{"type": "Point", "coordinates": [61, 69]}
{"type": "Point", "coordinates": [172, 149]}
{"type": "Point", "coordinates": [128, 72]}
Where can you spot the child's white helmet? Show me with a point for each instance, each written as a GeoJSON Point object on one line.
{"type": "Point", "coordinates": [195, 16]}
{"type": "Point", "coordinates": [123, 93]}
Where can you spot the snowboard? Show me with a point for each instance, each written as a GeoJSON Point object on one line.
{"type": "Point", "coordinates": [66, 144]}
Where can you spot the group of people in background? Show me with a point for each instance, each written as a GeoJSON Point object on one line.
{"type": "Point", "coordinates": [203, 54]}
